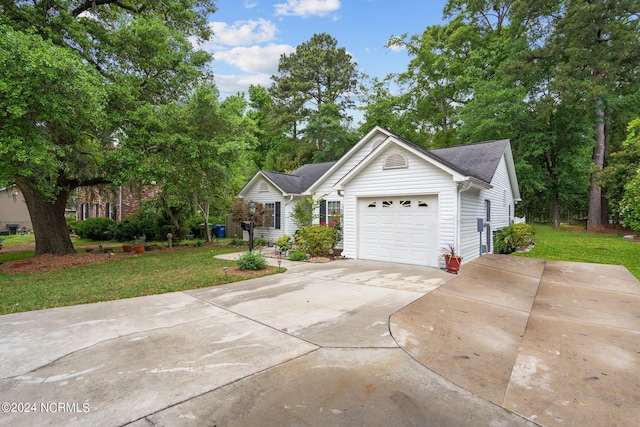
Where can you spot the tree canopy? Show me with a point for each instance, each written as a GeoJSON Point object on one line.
{"type": "Point", "coordinates": [113, 92]}
{"type": "Point", "coordinates": [75, 78]}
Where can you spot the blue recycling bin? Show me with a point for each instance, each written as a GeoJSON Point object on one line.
{"type": "Point", "coordinates": [219, 231]}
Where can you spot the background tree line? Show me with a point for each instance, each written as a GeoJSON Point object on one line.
{"type": "Point", "coordinates": [113, 92]}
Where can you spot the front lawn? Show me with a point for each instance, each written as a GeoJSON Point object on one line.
{"type": "Point", "coordinates": [126, 276]}
{"type": "Point", "coordinates": [570, 244]}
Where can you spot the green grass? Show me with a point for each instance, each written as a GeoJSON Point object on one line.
{"type": "Point", "coordinates": [570, 244]}
{"type": "Point", "coordinates": [126, 277]}
{"type": "Point", "coordinates": [17, 239]}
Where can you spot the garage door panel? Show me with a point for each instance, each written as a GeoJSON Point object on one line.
{"type": "Point", "coordinates": [398, 229]}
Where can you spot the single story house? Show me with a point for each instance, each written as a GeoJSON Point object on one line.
{"type": "Point", "coordinates": [400, 202]}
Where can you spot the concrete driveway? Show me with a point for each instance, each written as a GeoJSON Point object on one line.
{"type": "Point", "coordinates": [310, 347]}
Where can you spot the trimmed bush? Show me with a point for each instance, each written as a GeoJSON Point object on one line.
{"type": "Point", "coordinates": [298, 256]}
{"type": "Point", "coordinates": [510, 238]}
{"type": "Point", "coordinates": [130, 228]}
{"type": "Point", "coordinates": [95, 228]}
{"type": "Point", "coordinates": [252, 261]}
{"type": "Point", "coordinates": [317, 240]}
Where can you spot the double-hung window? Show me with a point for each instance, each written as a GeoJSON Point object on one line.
{"type": "Point", "coordinates": [330, 212]}
{"type": "Point", "coordinates": [271, 208]}
{"type": "Point", "coordinates": [274, 209]}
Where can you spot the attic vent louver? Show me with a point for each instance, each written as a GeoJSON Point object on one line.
{"type": "Point", "coordinates": [263, 187]}
{"type": "Point", "coordinates": [376, 142]}
{"type": "Point", "coordinates": [395, 161]}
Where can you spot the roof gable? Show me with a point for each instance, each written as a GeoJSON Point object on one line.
{"type": "Point", "coordinates": [296, 182]}
{"type": "Point", "coordinates": [374, 138]}
{"type": "Point", "coordinates": [477, 162]}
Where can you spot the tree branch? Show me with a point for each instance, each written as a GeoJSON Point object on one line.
{"type": "Point", "coordinates": [89, 4]}
{"type": "Point", "coordinates": [77, 182]}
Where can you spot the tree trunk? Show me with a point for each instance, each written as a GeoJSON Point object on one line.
{"type": "Point", "coordinates": [205, 214]}
{"type": "Point", "coordinates": [607, 142]}
{"type": "Point", "coordinates": [595, 191]}
{"type": "Point", "coordinates": [555, 209]}
{"type": "Point", "coordinates": [49, 225]}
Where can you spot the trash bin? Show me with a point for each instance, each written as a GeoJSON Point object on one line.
{"type": "Point", "coordinates": [219, 231]}
{"type": "Point", "coordinates": [13, 228]}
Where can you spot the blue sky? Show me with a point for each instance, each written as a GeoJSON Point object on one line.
{"type": "Point", "coordinates": [250, 35]}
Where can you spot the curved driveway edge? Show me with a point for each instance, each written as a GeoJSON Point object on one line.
{"type": "Point", "coordinates": [556, 342]}
{"type": "Point", "coordinates": [308, 347]}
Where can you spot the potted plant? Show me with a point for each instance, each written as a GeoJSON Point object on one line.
{"type": "Point", "coordinates": [284, 243]}
{"type": "Point", "coordinates": [138, 244]}
{"type": "Point", "coordinates": [126, 247]}
{"type": "Point", "coordinates": [452, 260]}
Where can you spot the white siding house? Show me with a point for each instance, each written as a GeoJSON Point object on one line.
{"type": "Point", "coordinates": [400, 202]}
{"type": "Point", "coordinates": [280, 192]}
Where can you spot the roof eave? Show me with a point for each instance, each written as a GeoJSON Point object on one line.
{"type": "Point", "coordinates": [364, 140]}
{"type": "Point", "coordinates": [240, 195]}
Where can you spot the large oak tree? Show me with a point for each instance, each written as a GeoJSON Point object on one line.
{"type": "Point", "coordinates": [74, 76]}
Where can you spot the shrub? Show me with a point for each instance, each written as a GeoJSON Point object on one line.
{"type": "Point", "coordinates": [317, 240]}
{"type": "Point", "coordinates": [298, 256]}
{"type": "Point", "coordinates": [284, 242]}
{"type": "Point", "coordinates": [252, 261]}
{"type": "Point", "coordinates": [95, 228]}
{"type": "Point", "coordinates": [130, 228]}
{"type": "Point", "coordinates": [236, 242]}
{"type": "Point", "coordinates": [259, 242]}
{"type": "Point", "coordinates": [510, 238]}
{"type": "Point", "coordinates": [71, 224]}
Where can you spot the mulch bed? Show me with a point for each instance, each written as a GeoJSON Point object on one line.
{"type": "Point", "coordinates": [47, 263]}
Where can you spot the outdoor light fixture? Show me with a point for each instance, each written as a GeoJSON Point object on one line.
{"type": "Point", "coordinates": [252, 212]}
{"type": "Point", "coordinates": [279, 262]}
{"type": "Point", "coordinates": [225, 272]}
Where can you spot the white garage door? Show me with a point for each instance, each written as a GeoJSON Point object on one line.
{"type": "Point", "coordinates": [399, 229]}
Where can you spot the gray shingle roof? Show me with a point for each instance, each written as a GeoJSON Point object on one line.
{"type": "Point", "coordinates": [478, 160]}
{"type": "Point", "coordinates": [298, 181]}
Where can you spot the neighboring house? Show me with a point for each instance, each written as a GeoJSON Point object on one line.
{"type": "Point", "coordinates": [401, 202]}
{"type": "Point", "coordinates": [115, 203]}
{"type": "Point", "coordinates": [13, 209]}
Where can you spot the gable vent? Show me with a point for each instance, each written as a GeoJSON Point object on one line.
{"type": "Point", "coordinates": [264, 187]}
{"type": "Point", "coordinates": [395, 161]}
{"type": "Point", "coordinates": [376, 142]}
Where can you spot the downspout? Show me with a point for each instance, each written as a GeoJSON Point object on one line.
{"type": "Point", "coordinates": [462, 187]}
{"type": "Point", "coordinates": [120, 204]}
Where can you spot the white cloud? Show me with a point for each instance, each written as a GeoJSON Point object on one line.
{"type": "Point", "coordinates": [250, 5]}
{"type": "Point", "coordinates": [396, 48]}
{"type": "Point", "coordinates": [307, 8]}
{"type": "Point", "coordinates": [255, 59]}
{"type": "Point", "coordinates": [242, 33]}
{"type": "Point", "coordinates": [231, 84]}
